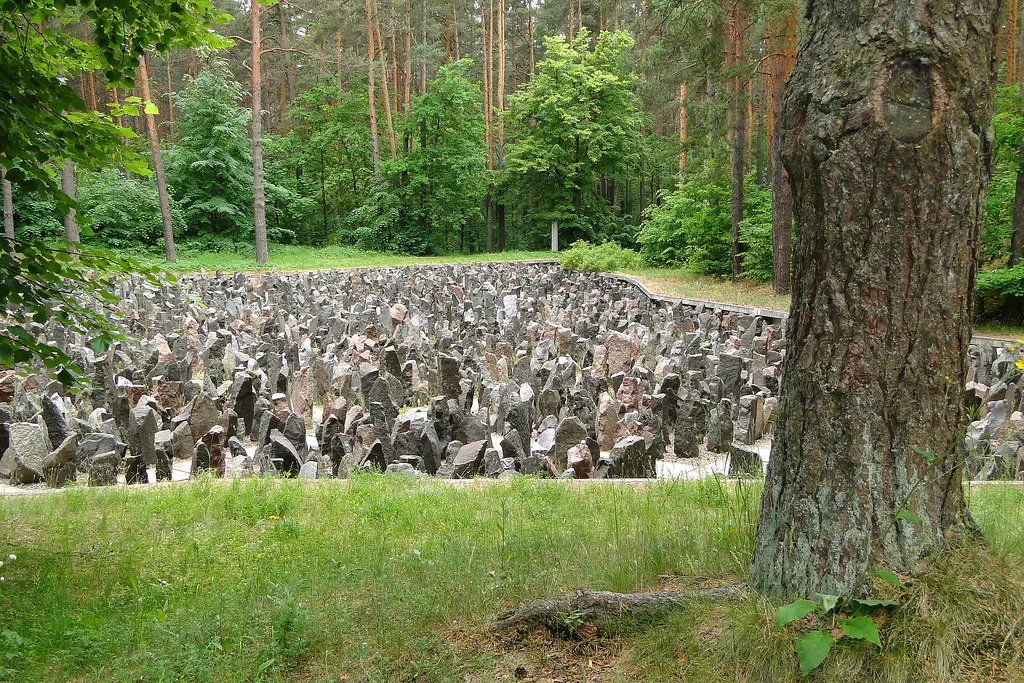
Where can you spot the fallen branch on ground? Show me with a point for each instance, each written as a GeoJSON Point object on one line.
{"type": "Point", "coordinates": [603, 609]}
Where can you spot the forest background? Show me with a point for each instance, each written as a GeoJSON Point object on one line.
{"type": "Point", "coordinates": [645, 127]}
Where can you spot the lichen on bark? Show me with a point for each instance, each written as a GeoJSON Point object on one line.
{"type": "Point", "coordinates": [887, 144]}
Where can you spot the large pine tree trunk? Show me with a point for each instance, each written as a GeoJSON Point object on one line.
{"type": "Point", "coordinates": [886, 136]}
{"type": "Point", "coordinates": [735, 56]}
{"type": "Point", "coordinates": [259, 202]}
{"type": "Point", "coordinates": [158, 167]}
{"type": "Point", "coordinates": [384, 82]}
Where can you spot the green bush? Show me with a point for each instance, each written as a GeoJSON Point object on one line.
{"type": "Point", "coordinates": [600, 258]}
{"type": "Point", "coordinates": [691, 228]}
{"type": "Point", "coordinates": [756, 233]}
{"type": "Point", "coordinates": [124, 210]}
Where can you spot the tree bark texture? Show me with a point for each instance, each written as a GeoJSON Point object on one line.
{"type": "Point", "coordinates": [886, 138]}
{"type": "Point", "coordinates": [67, 186]}
{"type": "Point", "coordinates": [783, 57]}
{"type": "Point", "coordinates": [8, 207]}
{"type": "Point", "coordinates": [1011, 41]}
{"type": "Point", "coordinates": [158, 167]}
{"type": "Point", "coordinates": [259, 202]}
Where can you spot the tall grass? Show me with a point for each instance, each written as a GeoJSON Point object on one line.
{"type": "Point", "coordinates": [283, 580]}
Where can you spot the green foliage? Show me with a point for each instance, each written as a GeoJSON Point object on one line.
{"type": "Point", "coordinates": [44, 123]}
{"type": "Point", "coordinates": [603, 258]}
{"type": "Point", "coordinates": [1002, 282]}
{"type": "Point", "coordinates": [691, 227]}
{"type": "Point", "coordinates": [44, 120]}
{"type": "Point", "coordinates": [35, 289]}
{"type": "Point", "coordinates": [812, 649]}
{"type": "Point", "coordinates": [36, 216]}
{"type": "Point", "coordinates": [324, 162]}
{"type": "Point", "coordinates": [851, 615]}
{"type": "Point", "coordinates": [209, 168]}
{"type": "Point", "coordinates": [430, 199]}
{"type": "Point", "coordinates": [123, 210]}
{"type": "Point", "coordinates": [577, 120]}
{"type": "Point", "coordinates": [1007, 159]}
{"type": "Point", "coordinates": [756, 232]}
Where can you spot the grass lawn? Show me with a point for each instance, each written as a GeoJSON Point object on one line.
{"type": "Point", "coordinates": [679, 282]}
{"type": "Point", "coordinates": [389, 579]}
{"type": "Point", "coordinates": [288, 257]}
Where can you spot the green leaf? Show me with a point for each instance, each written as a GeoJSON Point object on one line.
{"type": "Point", "coordinates": [863, 628]}
{"type": "Point", "coordinates": [889, 578]}
{"type": "Point", "coordinates": [829, 602]}
{"type": "Point", "coordinates": [264, 666]}
{"type": "Point", "coordinates": [910, 517]}
{"type": "Point", "coordinates": [151, 109]}
{"type": "Point", "coordinates": [925, 453]}
{"type": "Point", "coordinates": [871, 604]}
{"type": "Point", "coordinates": [798, 609]}
{"type": "Point", "coordinates": [812, 649]}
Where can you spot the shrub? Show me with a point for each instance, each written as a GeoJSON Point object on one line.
{"type": "Point", "coordinates": [124, 210]}
{"type": "Point", "coordinates": [691, 228]}
{"type": "Point", "coordinates": [600, 258]}
{"type": "Point", "coordinates": [756, 233]}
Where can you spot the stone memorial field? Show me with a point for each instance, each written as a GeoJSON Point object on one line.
{"type": "Point", "coordinates": [485, 370]}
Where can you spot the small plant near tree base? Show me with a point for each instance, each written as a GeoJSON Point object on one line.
{"type": "Point", "coordinates": [849, 617]}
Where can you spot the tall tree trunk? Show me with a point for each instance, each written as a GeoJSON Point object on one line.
{"type": "Point", "coordinates": [783, 50]}
{"type": "Point", "coordinates": [423, 49]}
{"type": "Point", "coordinates": [8, 208]}
{"type": "Point", "coordinates": [533, 62]}
{"type": "Point", "coordinates": [683, 129]}
{"type": "Point", "coordinates": [394, 74]}
{"type": "Point", "coordinates": [1011, 41]}
{"type": "Point", "coordinates": [112, 97]}
{"type": "Point", "coordinates": [408, 55]}
{"type": "Point", "coordinates": [734, 48]}
{"type": "Point", "coordinates": [500, 210]}
{"type": "Point", "coordinates": [170, 99]}
{"type": "Point", "coordinates": [370, 52]}
{"type": "Point", "coordinates": [384, 82]}
{"type": "Point", "coordinates": [455, 32]}
{"type": "Point", "coordinates": [571, 20]}
{"type": "Point", "coordinates": [287, 87]}
{"type": "Point", "coordinates": [1017, 238]}
{"type": "Point", "coordinates": [158, 167]}
{"type": "Point", "coordinates": [67, 186]}
{"type": "Point", "coordinates": [341, 54]}
{"type": "Point", "coordinates": [501, 84]}
{"type": "Point", "coordinates": [259, 201]}
{"type": "Point", "coordinates": [758, 123]}
{"type": "Point", "coordinates": [884, 287]}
